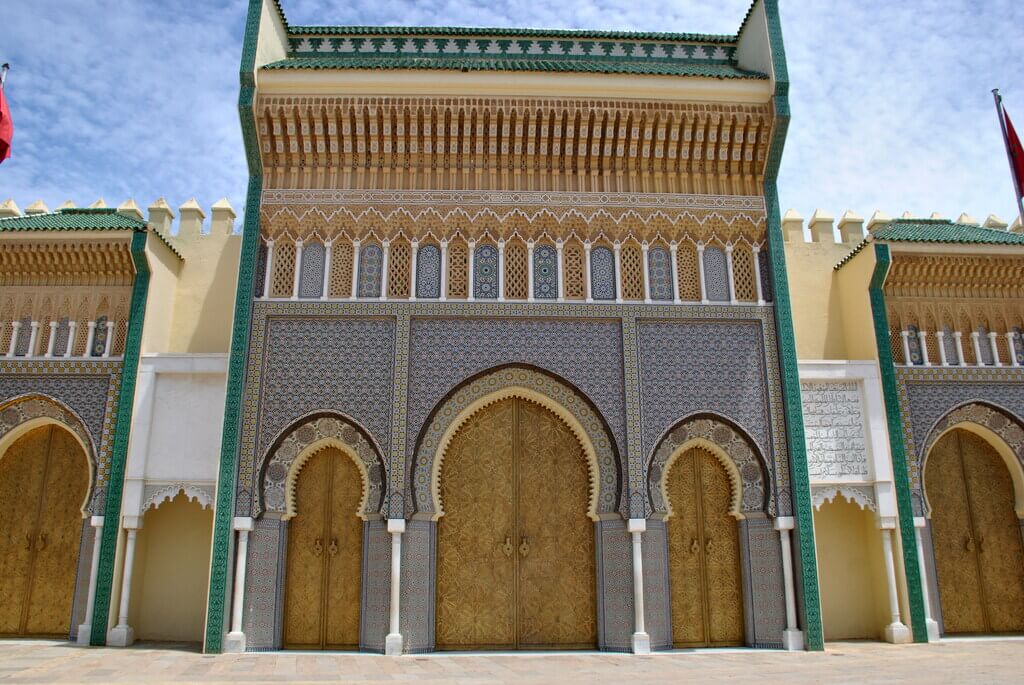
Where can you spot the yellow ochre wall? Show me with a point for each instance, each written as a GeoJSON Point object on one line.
{"type": "Point", "coordinates": [851, 572]}
{"type": "Point", "coordinates": [172, 564]}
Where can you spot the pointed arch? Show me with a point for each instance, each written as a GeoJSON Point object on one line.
{"type": "Point", "coordinates": [24, 413]}
{"type": "Point", "coordinates": [999, 427]}
{"type": "Point", "coordinates": [532, 385]}
{"type": "Point", "coordinates": [752, 491]}
{"type": "Point", "coordinates": [302, 439]}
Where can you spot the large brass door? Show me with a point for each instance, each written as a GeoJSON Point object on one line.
{"type": "Point", "coordinates": [979, 555]}
{"type": "Point", "coordinates": [704, 559]}
{"type": "Point", "coordinates": [44, 478]}
{"type": "Point", "coordinates": [324, 568]}
{"type": "Point", "coordinates": [515, 559]}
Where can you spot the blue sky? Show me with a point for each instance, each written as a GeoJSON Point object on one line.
{"type": "Point", "coordinates": [891, 102]}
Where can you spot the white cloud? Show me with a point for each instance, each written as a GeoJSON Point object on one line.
{"type": "Point", "coordinates": [891, 103]}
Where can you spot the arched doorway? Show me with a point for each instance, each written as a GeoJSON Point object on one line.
{"type": "Point", "coordinates": [703, 551]}
{"type": "Point", "coordinates": [44, 479]}
{"type": "Point", "coordinates": [979, 555]}
{"type": "Point", "coordinates": [515, 551]}
{"type": "Point", "coordinates": [325, 549]}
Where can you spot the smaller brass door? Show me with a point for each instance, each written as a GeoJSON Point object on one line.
{"type": "Point", "coordinates": [704, 559]}
{"type": "Point", "coordinates": [44, 478]}
{"type": "Point", "coordinates": [979, 555]}
{"type": "Point", "coordinates": [324, 567]}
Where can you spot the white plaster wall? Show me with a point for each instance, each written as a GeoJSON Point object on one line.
{"type": "Point", "coordinates": [188, 414]}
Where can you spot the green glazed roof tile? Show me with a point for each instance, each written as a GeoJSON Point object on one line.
{"type": "Point", "coordinates": [721, 71]}
{"type": "Point", "coordinates": [472, 31]}
{"type": "Point", "coordinates": [81, 219]}
{"type": "Point", "coordinates": [942, 231]}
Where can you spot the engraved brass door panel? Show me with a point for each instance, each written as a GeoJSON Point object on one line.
{"type": "Point", "coordinates": [325, 540]}
{"type": "Point", "coordinates": [516, 565]}
{"type": "Point", "coordinates": [979, 555]}
{"type": "Point", "coordinates": [44, 478]}
{"type": "Point", "coordinates": [704, 560]}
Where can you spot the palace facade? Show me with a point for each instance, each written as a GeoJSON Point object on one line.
{"type": "Point", "coordinates": [513, 350]}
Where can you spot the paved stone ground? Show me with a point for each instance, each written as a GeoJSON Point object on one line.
{"type": "Point", "coordinates": [951, 661]}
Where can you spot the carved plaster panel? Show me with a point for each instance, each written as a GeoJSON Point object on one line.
{"type": "Point", "coordinates": [834, 430]}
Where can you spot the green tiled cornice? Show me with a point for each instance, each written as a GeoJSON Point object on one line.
{"type": "Point", "coordinates": [474, 31]}
{"type": "Point", "coordinates": [721, 70]}
{"type": "Point", "coordinates": [220, 558]}
{"type": "Point", "coordinates": [84, 219]}
{"type": "Point", "coordinates": [942, 231]}
{"type": "Point", "coordinates": [795, 440]}
{"type": "Point", "coordinates": [897, 447]}
{"type": "Point", "coordinates": [119, 449]}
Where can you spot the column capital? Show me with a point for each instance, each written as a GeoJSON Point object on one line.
{"type": "Point", "coordinates": [243, 523]}
{"type": "Point", "coordinates": [131, 522]}
{"type": "Point", "coordinates": [96, 521]}
{"type": "Point", "coordinates": [636, 525]}
{"type": "Point", "coordinates": [396, 525]}
{"type": "Point", "coordinates": [784, 523]}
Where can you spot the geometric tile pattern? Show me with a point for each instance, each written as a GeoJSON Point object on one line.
{"type": "Point", "coordinates": [659, 269]}
{"type": "Point", "coordinates": [716, 275]}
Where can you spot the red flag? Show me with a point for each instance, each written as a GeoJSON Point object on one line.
{"type": "Point", "coordinates": [1016, 154]}
{"type": "Point", "coordinates": [6, 128]}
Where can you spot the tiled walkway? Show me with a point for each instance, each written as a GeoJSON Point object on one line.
{"type": "Point", "coordinates": [951, 661]}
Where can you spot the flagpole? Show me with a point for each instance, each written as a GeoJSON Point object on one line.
{"type": "Point", "coordinates": [1009, 155]}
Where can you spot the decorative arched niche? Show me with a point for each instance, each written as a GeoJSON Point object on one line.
{"type": "Point", "coordinates": [301, 440]}
{"type": "Point", "coordinates": [999, 427]}
{"type": "Point", "coordinates": [533, 386]}
{"type": "Point", "coordinates": [24, 413]}
{"type": "Point", "coordinates": [751, 490]}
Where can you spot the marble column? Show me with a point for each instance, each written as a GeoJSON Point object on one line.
{"type": "Point", "coordinates": [85, 628]}
{"type": "Point", "coordinates": [235, 641]}
{"type": "Point", "coordinates": [896, 632]}
{"type": "Point", "coordinates": [641, 640]}
{"type": "Point", "coordinates": [122, 635]}
{"type": "Point", "coordinates": [792, 636]}
{"type": "Point", "coordinates": [393, 640]}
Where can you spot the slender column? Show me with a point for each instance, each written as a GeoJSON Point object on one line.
{"type": "Point", "coordinates": [267, 268]}
{"type": "Point", "coordinates": [1010, 346]}
{"type": "Point", "coordinates": [393, 641]}
{"type": "Point", "coordinates": [940, 336]}
{"type": "Point", "coordinates": [757, 274]}
{"type": "Point", "coordinates": [529, 271]}
{"type": "Point", "coordinates": [896, 631]}
{"type": "Point", "coordinates": [444, 270]}
{"type": "Point", "coordinates": [732, 285]}
{"type": "Point", "coordinates": [559, 271]}
{"type": "Point", "coordinates": [412, 276]}
{"type": "Point", "coordinates": [617, 280]}
{"type": "Point", "coordinates": [15, 329]}
{"type": "Point", "coordinates": [72, 333]}
{"type": "Point", "coordinates": [384, 276]}
{"type": "Point", "coordinates": [85, 628]}
{"type": "Point", "coordinates": [110, 338]}
{"type": "Point", "coordinates": [641, 640]}
{"type": "Point", "coordinates": [931, 624]}
{"type": "Point", "coordinates": [90, 338]}
{"type": "Point", "coordinates": [327, 268]}
{"type": "Point", "coordinates": [975, 341]}
{"type": "Point", "coordinates": [590, 284]}
{"type": "Point", "coordinates": [355, 269]}
{"type": "Point", "coordinates": [53, 339]}
{"type": "Point", "coordinates": [958, 337]}
{"type": "Point", "coordinates": [298, 269]}
{"type": "Point", "coordinates": [905, 335]}
{"type": "Point", "coordinates": [644, 270]}
{"type": "Point", "coordinates": [501, 271]}
{"type": "Point", "coordinates": [921, 335]}
{"type": "Point", "coordinates": [995, 348]}
{"type": "Point", "coordinates": [676, 298]}
{"type": "Point", "coordinates": [792, 637]}
{"type": "Point", "coordinates": [700, 271]}
{"type": "Point", "coordinates": [123, 634]}
{"type": "Point", "coordinates": [235, 642]}
{"type": "Point", "coordinates": [472, 269]}
{"type": "Point", "coordinates": [33, 340]}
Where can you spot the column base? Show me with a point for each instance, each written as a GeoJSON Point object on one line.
{"type": "Point", "coordinates": [641, 643]}
{"type": "Point", "coordinates": [898, 634]}
{"type": "Point", "coordinates": [393, 644]}
{"type": "Point", "coordinates": [120, 636]}
{"type": "Point", "coordinates": [234, 643]}
{"type": "Point", "coordinates": [85, 632]}
{"type": "Point", "coordinates": [933, 630]}
{"type": "Point", "coordinates": [793, 640]}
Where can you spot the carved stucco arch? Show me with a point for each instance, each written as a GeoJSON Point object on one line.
{"type": "Point", "coordinates": [167, 493]}
{"type": "Point", "coordinates": [861, 495]}
{"type": "Point", "coordinates": [533, 386]}
{"type": "Point", "coordinates": [999, 427]}
{"type": "Point", "coordinates": [24, 413]}
{"type": "Point", "coordinates": [751, 489]}
{"type": "Point", "coordinates": [310, 435]}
